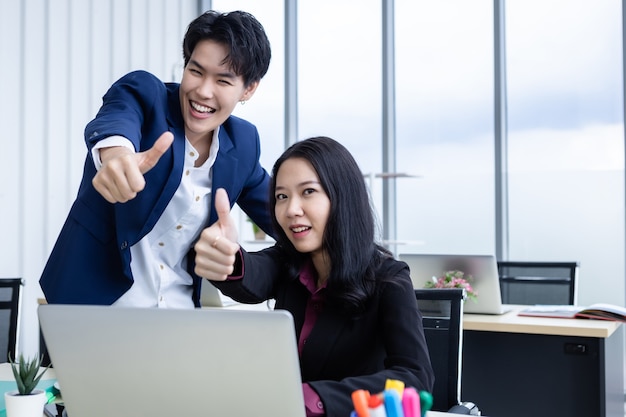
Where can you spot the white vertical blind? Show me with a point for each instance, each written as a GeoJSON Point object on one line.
{"type": "Point", "coordinates": [57, 59]}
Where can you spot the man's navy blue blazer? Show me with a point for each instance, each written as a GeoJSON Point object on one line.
{"type": "Point", "coordinates": [90, 262]}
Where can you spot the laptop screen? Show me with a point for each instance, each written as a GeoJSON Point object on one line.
{"type": "Point", "coordinates": [482, 268]}
{"type": "Point", "coordinates": [168, 362]}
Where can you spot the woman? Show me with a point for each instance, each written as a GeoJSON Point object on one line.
{"type": "Point", "coordinates": [353, 304]}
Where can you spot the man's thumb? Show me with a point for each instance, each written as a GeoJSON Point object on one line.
{"type": "Point", "coordinates": [150, 157]}
{"type": "Point", "coordinates": [222, 207]}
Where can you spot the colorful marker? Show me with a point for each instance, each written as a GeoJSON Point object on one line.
{"type": "Point", "coordinates": [393, 405]}
{"type": "Point", "coordinates": [360, 400]}
{"type": "Point", "coordinates": [426, 401]}
{"type": "Point", "coordinates": [396, 385]}
{"type": "Point", "coordinates": [411, 403]}
{"type": "Point", "coordinates": [376, 406]}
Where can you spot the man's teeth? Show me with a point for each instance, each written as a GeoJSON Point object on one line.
{"type": "Point", "coordinates": [202, 109]}
{"type": "Point", "coordinates": [299, 229]}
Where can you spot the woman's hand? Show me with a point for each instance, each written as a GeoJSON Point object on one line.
{"type": "Point", "coordinates": [217, 247]}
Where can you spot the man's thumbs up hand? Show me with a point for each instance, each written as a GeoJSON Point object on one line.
{"type": "Point", "coordinates": [121, 176]}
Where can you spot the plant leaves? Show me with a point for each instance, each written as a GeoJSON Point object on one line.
{"type": "Point", "coordinates": [26, 373]}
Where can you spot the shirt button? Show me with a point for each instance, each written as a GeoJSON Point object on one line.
{"type": "Point", "coordinates": [192, 154]}
{"type": "Point", "coordinates": [320, 405]}
{"type": "Point", "coordinates": [161, 244]}
{"type": "Point", "coordinates": [187, 172]}
{"type": "Point", "coordinates": [124, 245]}
{"type": "Point", "coordinates": [198, 198]}
{"type": "Point", "coordinates": [179, 227]}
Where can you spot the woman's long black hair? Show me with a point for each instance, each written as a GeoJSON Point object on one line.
{"type": "Point", "coordinates": [348, 240]}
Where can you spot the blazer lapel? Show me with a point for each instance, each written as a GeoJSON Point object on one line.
{"type": "Point", "coordinates": [173, 181]}
{"type": "Point", "coordinates": [177, 127]}
{"type": "Point", "coordinates": [224, 170]}
{"type": "Point", "coordinates": [316, 351]}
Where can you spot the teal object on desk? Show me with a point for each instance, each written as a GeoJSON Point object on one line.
{"type": "Point", "coordinates": [426, 402]}
{"type": "Point", "coordinates": [6, 386]}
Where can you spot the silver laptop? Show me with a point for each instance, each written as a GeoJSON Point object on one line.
{"type": "Point", "coordinates": [210, 296]}
{"type": "Point", "coordinates": [482, 268]}
{"type": "Point", "coordinates": [168, 362]}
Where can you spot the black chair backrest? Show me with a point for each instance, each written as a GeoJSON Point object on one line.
{"type": "Point", "coordinates": [442, 311]}
{"type": "Point", "coordinates": [9, 310]}
{"type": "Point", "coordinates": [529, 283]}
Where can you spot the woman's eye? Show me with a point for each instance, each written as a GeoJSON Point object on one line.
{"type": "Point", "coordinates": [308, 191]}
{"type": "Point", "coordinates": [280, 196]}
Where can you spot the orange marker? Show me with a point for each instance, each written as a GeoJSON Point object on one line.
{"type": "Point", "coordinates": [360, 399]}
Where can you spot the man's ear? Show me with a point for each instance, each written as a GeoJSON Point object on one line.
{"type": "Point", "coordinates": [249, 91]}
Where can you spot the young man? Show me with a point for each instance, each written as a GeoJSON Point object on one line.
{"type": "Point", "coordinates": [156, 152]}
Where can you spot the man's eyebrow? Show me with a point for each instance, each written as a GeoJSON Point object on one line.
{"type": "Point", "coordinates": [226, 74]}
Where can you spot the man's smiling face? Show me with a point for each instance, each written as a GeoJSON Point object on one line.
{"type": "Point", "coordinates": [209, 90]}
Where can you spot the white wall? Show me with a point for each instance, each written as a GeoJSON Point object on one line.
{"type": "Point", "coordinates": [57, 58]}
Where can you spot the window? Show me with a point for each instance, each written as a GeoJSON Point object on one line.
{"type": "Point", "coordinates": [266, 108]}
{"type": "Point", "coordinates": [444, 55]}
{"type": "Point", "coordinates": [339, 76]}
{"type": "Point", "coordinates": [565, 139]}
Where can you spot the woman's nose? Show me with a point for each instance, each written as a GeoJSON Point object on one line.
{"type": "Point", "coordinates": [294, 208]}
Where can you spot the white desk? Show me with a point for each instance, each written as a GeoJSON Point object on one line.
{"type": "Point", "coordinates": [544, 366]}
{"type": "Point", "coordinates": [512, 323]}
{"type": "Point", "coordinates": [7, 375]}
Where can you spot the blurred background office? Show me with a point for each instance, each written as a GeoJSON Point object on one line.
{"type": "Point", "coordinates": [482, 126]}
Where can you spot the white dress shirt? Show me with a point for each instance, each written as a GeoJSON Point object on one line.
{"type": "Point", "coordinates": [158, 260]}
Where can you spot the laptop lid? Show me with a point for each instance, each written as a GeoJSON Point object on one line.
{"type": "Point", "coordinates": [210, 296]}
{"type": "Point", "coordinates": [169, 362]}
{"type": "Point", "coordinates": [482, 268]}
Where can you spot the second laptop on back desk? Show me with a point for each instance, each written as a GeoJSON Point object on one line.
{"type": "Point", "coordinates": [482, 268]}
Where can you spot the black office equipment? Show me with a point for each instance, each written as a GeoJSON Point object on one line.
{"type": "Point", "coordinates": [442, 311]}
{"type": "Point", "coordinates": [9, 312]}
{"type": "Point", "coordinates": [529, 283]}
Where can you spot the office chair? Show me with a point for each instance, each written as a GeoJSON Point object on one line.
{"type": "Point", "coordinates": [9, 311]}
{"type": "Point", "coordinates": [529, 283]}
{"type": "Point", "coordinates": [442, 317]}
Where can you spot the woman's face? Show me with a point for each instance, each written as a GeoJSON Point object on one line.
{"type": "Point", "coordinates": [302, 205]}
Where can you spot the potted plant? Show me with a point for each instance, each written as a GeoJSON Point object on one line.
{"type": "Point", "coordinates": [26, 401]}
{"type": "Point", "coordinates": [453, 279]}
